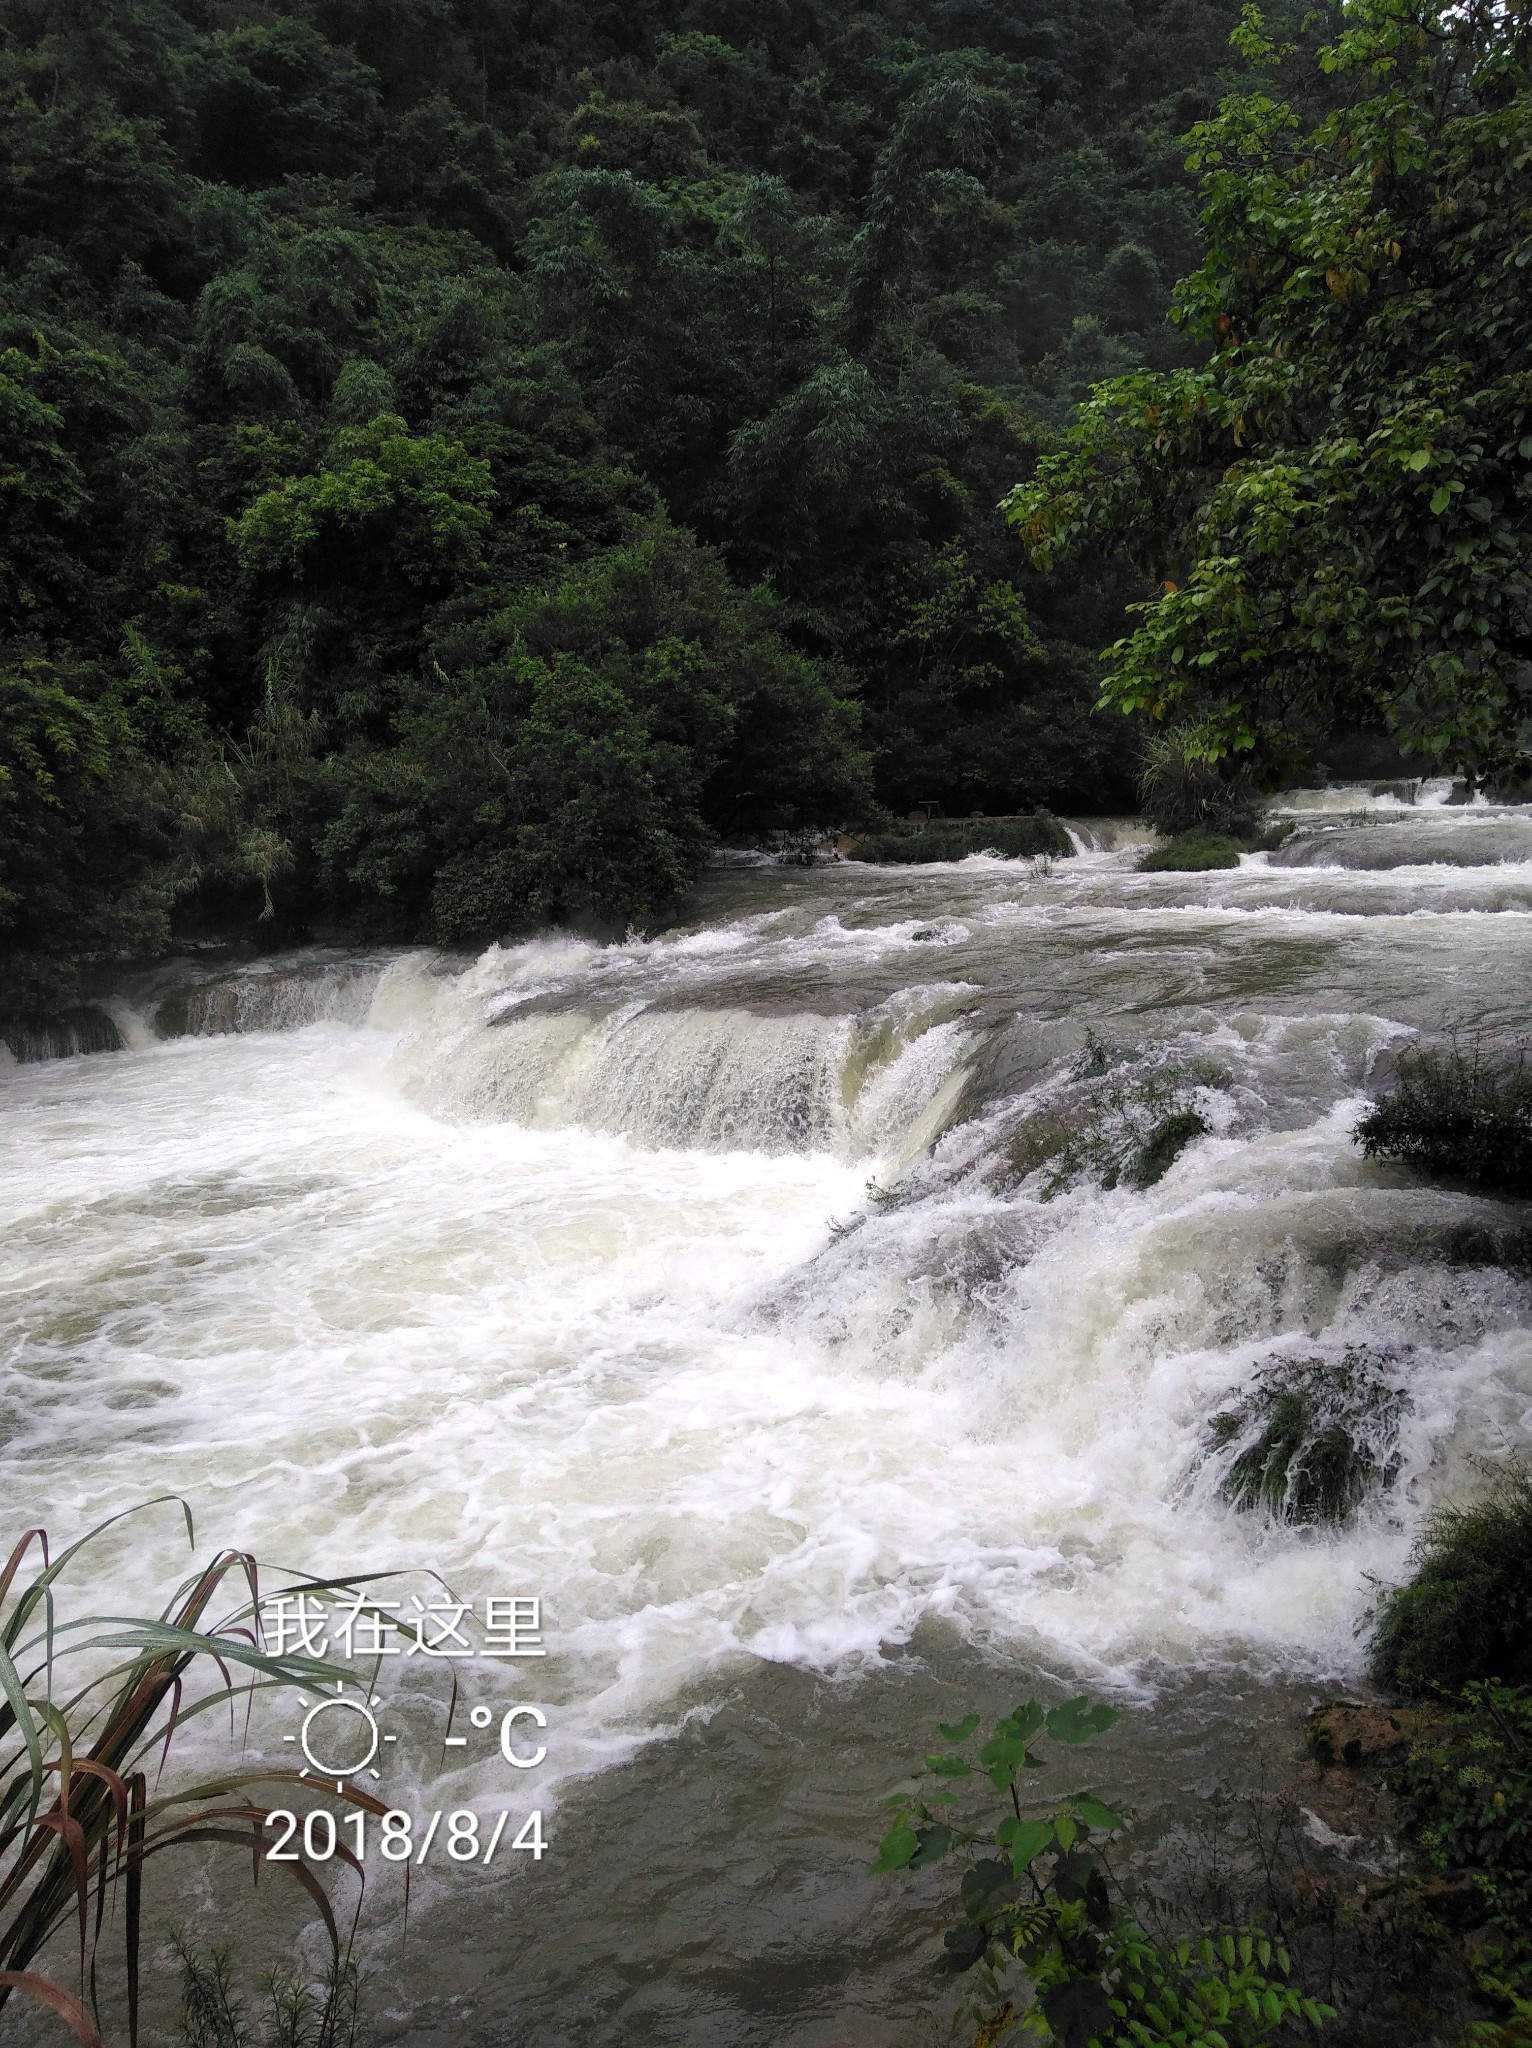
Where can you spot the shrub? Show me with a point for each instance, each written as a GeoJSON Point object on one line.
{"type": "Point", "coordinates": [1056, 1952]}
{"type": "Point", "coordinates": [1310, 1439]}
{"type": "Point", "coordinates": [1453, 1113]}
{"type": "Point", "coordinates": [1465, 1795]}
{"type": "Point", "coordinates": [956, 838]}
{"type": "Point", "coordinates": [1465, 1614]}
{"type": "Point", "coordinates": [1191, 853]}
{"type": "Point", "coordinates": [1181, 793]}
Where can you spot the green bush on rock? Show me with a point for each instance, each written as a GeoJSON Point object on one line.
{"type": "Point", "coordinates": [1465, 1614]}
{"type": "Point", "coordinates": [1455, 1113]}
{"type": "Point", "coordinates": [1310, 1439]}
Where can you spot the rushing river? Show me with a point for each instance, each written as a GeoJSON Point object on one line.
{"type": "Point", "coordinates": [774, 1299]}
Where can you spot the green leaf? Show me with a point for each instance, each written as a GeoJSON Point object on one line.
{"type": "Point", "coordinates": [934, 1843]}
{"type": "Point", "coordinates": [958, 1731]}
{"type": "Point", "coordinates": [1095, 1815]}
{"type": "Point", "coordinates": [949, 1766]}
{"type": "Point", "coordinates": [1078, 1721]}
{"type": "Point", "coordinates": [896, 1849]}
{"type": "Point", "coordinates": [1026, 1840]}
{"type": "Point", "coordinates": [1064, 1828]}
{"type": "Point", "coordinates": [1027, 1720]}
{"type": "Point", "coordinates": [1005, 1750]}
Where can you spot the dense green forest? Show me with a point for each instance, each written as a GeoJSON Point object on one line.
{"type": "Point", "coordinates": [1332, 515]}
{"type": "Point", "coordinates": [461, 457]}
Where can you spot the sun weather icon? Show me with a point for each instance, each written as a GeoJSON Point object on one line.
{"type": "Point", "coordinates": [340, 1738]}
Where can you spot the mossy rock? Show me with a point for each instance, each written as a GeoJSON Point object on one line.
{"type": "Point", "coordinates": [1163, 1147]}
{"type": "Point", "coordinates": [1119, 1116]}
{"type": "Point", "coordinates": [62, 1035]}
{"type": "Point", "coordinates": [956, 838]}
{"type": "Point", "coordinates": [1311, 1438]}
{"type": "Point", "coordinates": [1191, 853]}
{"type": "Point", "coordinates": [1465, 1614]}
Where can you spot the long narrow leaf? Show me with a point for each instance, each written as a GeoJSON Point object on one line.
{"type": "Point", "coordinates": [42, 1584]}
{"type": "Point", "coordinates": [21, 1709]}
{"type": "Point", "coordinates": [68, 2008]}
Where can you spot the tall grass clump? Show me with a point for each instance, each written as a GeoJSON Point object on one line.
{"type": "Point", "coordinates": [1465, 1613]}
{"type": "Point", "coordinates": [1181, 792]}
{"type": "Point", "coordinates": [90, 1711]}
{"type": "Point", "coordinates": [1457, 1114]}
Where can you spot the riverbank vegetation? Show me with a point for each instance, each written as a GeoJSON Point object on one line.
{"type": "Point", "coordinates": [1465, 1613]}
{"type": "Point", "coordinates": [1250, 1921]}
{"type": "Point", "coordinates": [1040, 835]}
{"type": "Point", "coordinates": [461, 460]}
{"type": "Point", "coordinates": [1056, 1950]}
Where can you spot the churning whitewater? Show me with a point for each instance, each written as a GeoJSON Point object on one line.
{"type": "Point", "coordinates": [770, 1288]}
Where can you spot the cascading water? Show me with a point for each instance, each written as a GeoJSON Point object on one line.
{"type": "Point", "coordinates": [828, 1306]}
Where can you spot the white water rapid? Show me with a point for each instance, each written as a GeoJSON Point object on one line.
{"type": "Point", "coordinates": [775, 1298]}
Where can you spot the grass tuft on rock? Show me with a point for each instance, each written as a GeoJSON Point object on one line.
{"type": "Point", "coordinates": [1191, 853]}
{"type": "Point", "coordinates": [1458, 1115]}
{"type": "Point", "coordinates": [1311, 1438]}
{"type": "Point", "coordinates": [1465, 1613]}
{"type": "Point", "coordinates": [956, 838]}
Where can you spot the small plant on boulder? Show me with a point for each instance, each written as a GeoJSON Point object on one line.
{"type": "Point", "coordinates": [1164, 1146]}
{"type": "Point", "coordinates": [1311, 1437]}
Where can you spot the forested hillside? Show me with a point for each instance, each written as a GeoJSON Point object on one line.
{"type": "Point", "coordinates": [462, 456]}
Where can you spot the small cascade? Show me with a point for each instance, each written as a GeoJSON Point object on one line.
{"type": "Point", "coordinates": [62, 1035]}
{"type": "Point", "coordinates": [1109, 835]}
{"type": "Point", "coordinates": [283, 994]}
{"type": "Point", "coordinates": [1418, 838]}
{"type": "Point", "coordinates": [716, 1078]}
